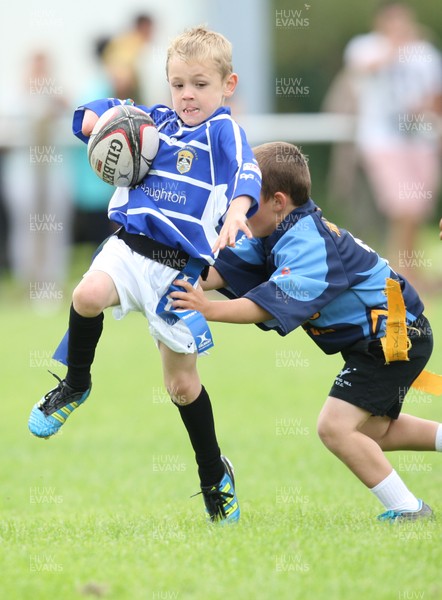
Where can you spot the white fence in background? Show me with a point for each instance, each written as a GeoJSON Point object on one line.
{"type": "Point", "coordinates": [301, 128]}
{"type": "Point", "coordinates": [312, 128]}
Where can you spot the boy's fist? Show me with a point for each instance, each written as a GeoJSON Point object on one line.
{"type": "Point", "coordinates": [89, 120]}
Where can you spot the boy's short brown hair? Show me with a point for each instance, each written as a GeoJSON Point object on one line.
{"type": "Point", "coordinates": [284, 169]}
{"type": "Point", "coordinates": [201, 44]}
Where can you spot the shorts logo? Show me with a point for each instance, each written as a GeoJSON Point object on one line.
{"type": "Point", "coordinates": [184, 160]}
{"type": "Point", "coordinates": [345, 372]}
{"type": "Point", "coordinates": [204, 340]}
{"type": "Point", "coordinates": [340, 381]}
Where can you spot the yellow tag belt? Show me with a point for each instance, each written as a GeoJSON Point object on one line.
{"type": "Point", "coordinates": [396, 342]}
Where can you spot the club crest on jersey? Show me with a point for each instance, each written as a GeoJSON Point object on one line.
{"type": "Point", "coordinates": [185, 160]}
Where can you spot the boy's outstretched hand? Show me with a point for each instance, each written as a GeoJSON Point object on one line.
{"type": "Point", "coordinates": [190, 298]}
{"type": "Point", "coordinates": [235, 221]}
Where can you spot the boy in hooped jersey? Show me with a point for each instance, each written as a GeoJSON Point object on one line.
{"type": "Point", "coordinates": [204, 180]}
{"type": "Point", "coordinates": [300, 269]}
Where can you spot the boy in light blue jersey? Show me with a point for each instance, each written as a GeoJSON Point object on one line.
{"type": "Point", "coordinates": [202, 186]}
{"type": "Point", "coordinates": [302, 270]}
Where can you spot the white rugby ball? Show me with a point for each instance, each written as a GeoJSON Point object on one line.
{"type": "Point", "coordinates": [122, 145]}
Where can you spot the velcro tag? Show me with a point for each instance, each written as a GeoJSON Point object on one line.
{"type": "Point", "coordinates": [395, 344]}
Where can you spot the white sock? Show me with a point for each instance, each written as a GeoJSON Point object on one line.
{"type": "Point", "coordinates": [394, 494]}
{"type": "Point", "coordinates": [439, 438]}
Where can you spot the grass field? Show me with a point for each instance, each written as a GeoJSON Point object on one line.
{"type": "Point", "coordinates": [104, 508]}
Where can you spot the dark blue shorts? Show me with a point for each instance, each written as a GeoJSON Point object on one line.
{"type": "Point", "coordinates": [369, 383]}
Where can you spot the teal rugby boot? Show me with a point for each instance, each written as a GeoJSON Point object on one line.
{"type": "Point", "coordinates": [393, 516]}
{"type": "Point", "coordinates": [220, 499]}
{"type": "Point", "coordinates": [51, 412]}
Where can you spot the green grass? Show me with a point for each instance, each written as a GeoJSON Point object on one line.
{"type": "Point", "coordinates": [104, 508]}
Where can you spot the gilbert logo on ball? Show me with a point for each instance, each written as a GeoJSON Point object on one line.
{"type": "Point", "coordinates": [122, 145]}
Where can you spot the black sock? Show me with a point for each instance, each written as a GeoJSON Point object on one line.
{"type": "Point", "coordinates": [198, 420]}
{"type": "Point", "coordinates": [84, 333]}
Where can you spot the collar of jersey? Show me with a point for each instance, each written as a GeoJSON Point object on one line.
{"type": "Point", "coordinates": [291, 219]}
{"type": "Point", "coordinates": [219, 111]}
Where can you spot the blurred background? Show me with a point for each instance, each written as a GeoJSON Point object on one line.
{"type": "Point", "coordinates": [91, 512]}
{"type": "Point", "coordinates": [359, 90]}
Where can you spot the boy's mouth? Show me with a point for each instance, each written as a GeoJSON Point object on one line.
{"type": "Point", "coordinates": [190, 111]}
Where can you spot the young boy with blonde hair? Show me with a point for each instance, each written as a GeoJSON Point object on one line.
{"type": "Point", "coordinates": [302, 270]}
{"type": "Point", "coordinates": [203, 184]}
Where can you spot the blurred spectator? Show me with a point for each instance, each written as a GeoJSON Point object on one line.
{"type": "Point", "coordinates": [342, 177]}
{"type": "Point", "coordinates": [91, 195]}
{"type": "Point", "coordinates": [397, 78]}
{"type": "Point", "coordinates": [4, 255]}
{"type": "Point", "coordinates": [37, 184]}
{"type": "Point", "coordinates": [126, 67]}
{"type": "Point", "coordinates": [123, 57]}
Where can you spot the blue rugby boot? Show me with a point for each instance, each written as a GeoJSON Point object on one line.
{"type": "Point", "coordinates": [220, 500]}
{"type": "Point", "coordinates": [423, 512]}
{"type": "Point", "coordinates": [51, 412]}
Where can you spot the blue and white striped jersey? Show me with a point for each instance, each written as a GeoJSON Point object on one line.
{"type": "Point", "coordinates": [312, 273]}
{"type": "Point", "coordinates": [197, 172]}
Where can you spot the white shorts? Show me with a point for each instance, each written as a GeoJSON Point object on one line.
{"type": "Point", "coordinates": [141, 283]}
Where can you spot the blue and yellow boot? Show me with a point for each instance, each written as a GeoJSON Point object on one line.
{"type": "Point", "coordinates": [51, 412]}
{"type": "Point", "coordinates": [220, 500]}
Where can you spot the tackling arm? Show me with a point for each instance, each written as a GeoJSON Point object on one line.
{"type": "Point", "coordinates": [240, 310]}
{"type": "Point", "coordinates": [213, 281]}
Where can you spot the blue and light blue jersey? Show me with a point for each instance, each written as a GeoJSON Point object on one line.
{"type": "Point", "coordinates": [197, 172]}
{"type": "Point", "coordinates": [312, 273]}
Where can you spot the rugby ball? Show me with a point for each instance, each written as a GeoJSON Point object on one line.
{"type": "Point", "coordinates": [122, 145]}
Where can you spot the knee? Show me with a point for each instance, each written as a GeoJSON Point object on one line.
{"type": "Point", "coordinates": [87, 298]}
{"type": "Point", "coordinates": [181, 388]}
{"type": "Point", "coordinates": [329, 432]}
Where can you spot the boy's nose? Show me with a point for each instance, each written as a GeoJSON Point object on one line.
{"type": "Point", "coordinates": [187, 93]}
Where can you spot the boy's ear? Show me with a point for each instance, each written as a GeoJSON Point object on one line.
{"type": "Point", "coordinates": [279, 201]}
{"type": "Point", "coordinates": [230, 85]}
